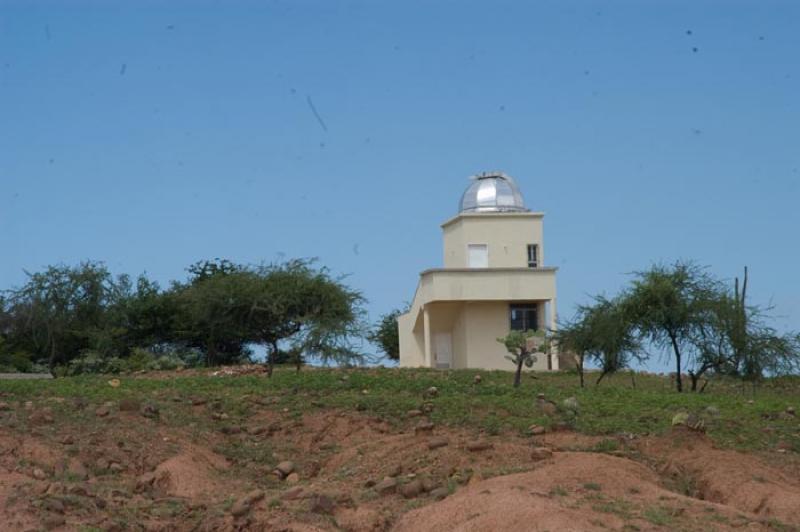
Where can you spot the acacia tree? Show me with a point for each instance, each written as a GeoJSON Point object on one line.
{"type": "Point", "coordinates": [305, 306]}
{"type": "Point", "coordinates": [61, 311]}
{"type": "Point", "coordinates": [600, 333]}
{"type": "Point", "coordinates": [387, 335]}
{"type": "Point", "coordinates": [522, 349]}
{"type": "Point", "coordinates": [670, 305]}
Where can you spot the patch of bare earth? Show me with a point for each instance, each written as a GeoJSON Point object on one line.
{"type": "Point", "coordinates": [347, 471]}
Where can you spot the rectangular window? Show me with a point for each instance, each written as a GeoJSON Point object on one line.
{"type": "Point", "coordinates": [533, 255]}
{"type": "Point", "coordinates": [478, 255]}
{"type": "Point", "coordinates": [524, 317]}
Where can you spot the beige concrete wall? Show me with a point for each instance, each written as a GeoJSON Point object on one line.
{"type": "Point", "coordinates": [411, 340]}
{"type": "Point", "coordinates": [525, 284]}
{"type": "Point", "coordinates": [506, 234]}
{"type": "Point", "coordinates": [485, 322]}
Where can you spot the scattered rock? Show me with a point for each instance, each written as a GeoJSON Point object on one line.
{"type": "Point", "coordinates": [292, 478]}
{"type": "Point", "coordinates": [255, 431]}
{"type": "Point", "coordinates": [77, 470]}
{"type": "Point", "coordinates": [440, 493]}
{"type": "Point", "coordinates": [240, 509]}
{"type": "Point", "coordinates": [41, 417]}
{"type": "Point", "coordinates": [424, 426]}
{"type": "Point", "coordinates": [284, 469]}
{"type": "Point", "coordinates": [292, 494]}
{"type": "Point", "coordinates": [712, 411]}
{"type": "Point", "coordinates": [198, 401]}
{"type": "Point", "coordinates": [114, 383]}
{"type": "Point", "coordinates": [38, 473]}
{"type": "Point", "coordinates": [150, 410]}
{"type": "Point", "coordinates": [428, 484]}
{"type": "Point", "coordinates": [396, 471]}
{"type": "Point", "coordinates": [541, 453]}
{"type": "Point", "coordinates": [386, 486]}
{"type": "Point", "coordinates": [789, 410]}
{"type": "Point", "coordinates": [231, 430]}
{"type": "Point", "coordinates": [570, 404]}
{"type": "Point", "coordinates": [253, 497]}
{"type": "Point", "coordinates": [66, 440]}
{"type": "Point", "coordinates": [129, 405]}
{"type": "Point", "coordinates": [431, 392]}
{"type": "Point", "coordinates": [77, 489]}
{"type": "Point", "coordinates": [53, 521]}
{"type": "Point", "coordinates": [411, 489]}
{"type": "Point", "coordinates": [427, 408]}
{"type": "Point", "coordinates": [435, 443]}
{"type": "Point", "coordinates": [321, 504]}
{"type": "Point", "coordinates": [53, 505]}
{"type": "Point", "coordinates": [477, 379]}
{"type": "Point", "coordinates": [4, 406]}
{"type": "Point", "coordinates": [680, 419]}
{"type": "Point", "coordinates": [414, 413]}
{"type": "Point", "coordinates": [144, 482]}
{"type": "Point", "coordinates": [537, 430]}
{"type": "Point", "coordinates": [479, 445]}
{"type": "Point", "coordinates": [102, 411]}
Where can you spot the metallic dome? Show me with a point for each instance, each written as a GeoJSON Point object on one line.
{"type": "Point", "coordinates": [492, 192]}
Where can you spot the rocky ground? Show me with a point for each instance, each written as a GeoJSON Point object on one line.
{"type": "Point", "coordinates": [164, 461]}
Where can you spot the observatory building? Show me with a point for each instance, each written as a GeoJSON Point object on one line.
{"type": "Point", "coordinates": [494, 280]}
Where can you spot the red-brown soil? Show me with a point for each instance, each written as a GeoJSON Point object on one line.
{"type": "Point", "coordinates": [129, 472]}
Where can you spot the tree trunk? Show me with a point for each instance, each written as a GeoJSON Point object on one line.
{"type": "Point", "coordinates": [579, 364]}
{"type": "Point", "coordinates": [678, 383]}
{"type": "Point", "coordinates": [271, 358]}
{"type": "Point", "coordinates": [603, 374]}
{"type": "Point", "coordinates": [695, 377]}
{"type": "Point", "coordinates": [633, 379]}
{"type": "Point", "coordinates": [52, 363]}
{"type": "Point", "coordinates": [518, 375]}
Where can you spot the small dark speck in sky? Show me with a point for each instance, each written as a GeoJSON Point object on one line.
{"type": "Point", "coordinates": [316, 114]}
{"type": "Point", "coordinates": [760, 37]}
{"type": "Point", "coordinates": [396, 48]}
{"type": "Point", "coordinates": [51, 161]}
{"type": "Point", "coordinates": [502, 107]}
{"type": "Point", "coordinates": [367, 140]}
{"type": "Point", "coordinates": [697, 131]}
{"type": "Point", "coordinates": [688, 32]}
{"type": "Point", "coordinates": [322, 145]}
{"type": "Point", "coordinates": [293, 90]}
{"type": "Point", "coordinates": [695, 49]}
{"type": "Point", "coordinates": [47, 31]}
{"type": "Point", "coordinates": [122, 69]}
{"type": "Point", "coordinates": [170, 27]}
{"type": "Point", "coordinates": [355, 249]}
{"type": "Point", "coordinates": [585, 72]}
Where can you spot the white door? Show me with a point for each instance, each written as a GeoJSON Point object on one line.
{"type": "Point", "coordinates": [478, 255]}
{"type": "Point", "coordinates": [443, 344]}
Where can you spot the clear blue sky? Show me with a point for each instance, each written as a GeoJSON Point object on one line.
{"type": "Point", "coordinates": [150, 135]}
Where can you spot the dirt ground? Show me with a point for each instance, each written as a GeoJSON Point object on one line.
{"type": "Point", "coordinates": [352, 472]}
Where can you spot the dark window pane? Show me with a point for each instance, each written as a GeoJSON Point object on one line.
{"type": "Point", "coordinates": [523, 317]}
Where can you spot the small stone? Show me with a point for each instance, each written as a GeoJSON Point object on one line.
{"type": "Point", "coordinates": [292, 478]}
{"type": "Point", "coordinates": [369, 483]}
{"type": "Point", "coordinates": [712, 411]}
{"type": "Point", "coordinates": [433, 391]}
{"type": "Point", "coordinates": [150, 410]}
{"type": "Point", "coordinates": [4, 406]}
{"type": "Point", "coordinates": [284, 469]}
{"type": "Point", "coordinates": [129, 405]}
{"type": "Point", "coordinates": [414, 413]}
{"type": "Point", "coordinates": [477, 379]}
{"type": "Point", "coordinates": [41, 417]}
{"type": "Point", "coordinates": [537, 430]}
{"type": "Point", "coordinates": [790, 410]}
{"type": "Point", "coordinates": [541, 453]}
{"type": "Point", "coordinates": [144, 482]}
{"type": "Point", "coordinates": [198, 401]}
{"type": "Point", "coordinates": [428, 484]}
{"type": "Point", "coordinates": [396, 471]}
{"type": "Point", "coordinates": [102, 411]}
{"type": "Point", "coordinates": [239, 509]}
{"type": "Point", "coordinates": [480, 445]}
{"type": "Point", "coordinates": [255, 431]}
{"type": "Point", "coordinates": [53, 521]}
{"type": "Point", "coordinates": [254, 496]}
{"type": "Point", "coordinates": [77, 470]}
{"type": "Point", "coordinates": [293, 493]}
{"type": "Point", "coordinates": [547, 408]}
{"type": "Point", "coordinates": [571, 405]}
{"type": "Point", "coordinates": [386, 486]}
{"type": "Point", "coordinates": [66, 440]}
{"type": "Point", "coordinates": [435, 443]}
{"type": "Point", "coordinates": [116, 467]}
{"type": "Point", "coordinates": [53, 505]}
{"type": "Point", "coordinates": [230, 430]}
{"type": "Point", "coordinates": [411, 489]}
{"type": "Point", "coordinates": [39, 473]}
{"type": "Point", "coordinates": [440, 493]}
{"type": "Point", "coordinates": [77, 489]}
{"type": "Point", "coordinates": [540, 397]}
{"type": "Point", "coordinates": [425, 426]}
{"type": "Point", "coordinates": [321, 504]}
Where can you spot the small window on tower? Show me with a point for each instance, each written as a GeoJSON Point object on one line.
{"type": "Point", "coordinates": [533, 255]}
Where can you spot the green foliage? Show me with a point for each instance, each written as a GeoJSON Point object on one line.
{"type": "Point", "coordinates": [387, 335]}
{"type": "Point", "coordinates": [518, 345]}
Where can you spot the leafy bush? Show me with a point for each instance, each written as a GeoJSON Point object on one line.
{"type": "Point", "coordinates": [15, 362]}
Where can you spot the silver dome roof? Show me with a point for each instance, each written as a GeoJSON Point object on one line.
{"type": "Point", "coordinates": [492, 192]}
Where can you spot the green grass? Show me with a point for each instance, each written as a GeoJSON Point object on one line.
{"type": "Point", "coordinates": [493, 406]}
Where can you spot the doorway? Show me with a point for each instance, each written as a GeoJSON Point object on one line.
{"type": "Point", "coordinates": [443, 343]}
